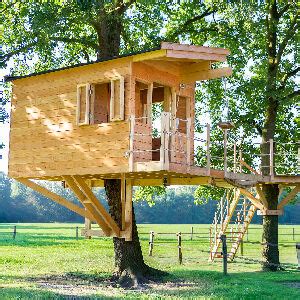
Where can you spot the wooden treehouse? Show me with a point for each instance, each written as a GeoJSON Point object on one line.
{"type": "Point", "coordinates": [131, 118]}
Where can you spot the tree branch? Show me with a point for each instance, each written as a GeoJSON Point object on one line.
{"type": "Point", "coordinates": [292, 95]}
{"type": "Point", "coordinates": [289, 34]}
{"type": "Point", "coordinates": [22, 49]}
{"type": "Point", "coordinates": [182, 28]}
{"type": "Point", "coordinates": [283, 10]}
{"type": "Point", "coordinates": [84, 42]}
{"type": "Point", "coordinates": [286, 76]}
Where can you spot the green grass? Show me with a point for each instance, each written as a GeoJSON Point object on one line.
{"type": "Point", "coordinates": [45, 261]}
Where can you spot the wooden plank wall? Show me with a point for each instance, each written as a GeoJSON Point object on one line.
{"type": "Point", "coordinates": [44, 140]}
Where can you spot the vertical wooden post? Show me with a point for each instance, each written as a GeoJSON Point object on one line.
{"type": "Point", "coordinates": [222, 213]}
{"type": "Point", "coordinates": [77, 232]}
{"type": "Point", "coordinates": [241, 158]}
{"type": "Point", "coordinates": [112, 100]}
{"type": "Point", "coordinates": [149, 103]}
{"type": "Point", "coordinates": [234, 158]}
{"type": "Point", "coordinates": [192, 232]}
{"type": "Point", "coordinates": [293, 233]}
{"type": "Point", "coordinates": [242, 247]}
{"type": "Point", "coordinates": [225, 151]}
{"type": "Point", "coordinates": [14, 232]}
{"type": "Point", "coordinates": [208, 149]}
{"type": "Point", "coordinates": [131, 143]}
{"type": "Point", "coordinates": [167, 140]}
{"type": "Point", "coordinates": [162, 141]}
{"type": "Point", "coordinates": [248, 234]}
{"type": "Point", "coordinates": [188, 141]}
{"type": "Point", "coordinates": [151, 242]}
{"type": "Point", "coordinates": [87, 226]}
{"type": "Point", "coordinates": [224, 253]}
{"type": "Point", "coordinates": [271, 158]}
{"type": "Point", "coordinates": [179, 247]}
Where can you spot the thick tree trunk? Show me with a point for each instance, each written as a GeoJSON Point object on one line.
{"type": "Point", "coordinates": [130, 268]}
{"type": "Point", "coordinates": [270, 251]}
{"type": "Point", "coordinates": [270, 230]}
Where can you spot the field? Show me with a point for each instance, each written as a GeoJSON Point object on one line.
{"type": "Point", "coordinates": [46, 261]}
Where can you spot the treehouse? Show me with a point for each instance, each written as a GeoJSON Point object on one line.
{"type": "Point", "coordinates": [132, 118]}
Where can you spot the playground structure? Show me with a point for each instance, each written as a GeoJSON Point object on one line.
{"type": "Point", "coordinates": [133, 118]}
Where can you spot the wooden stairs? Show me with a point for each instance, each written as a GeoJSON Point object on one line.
{"type": "Point", "coordinates": [232, 218]}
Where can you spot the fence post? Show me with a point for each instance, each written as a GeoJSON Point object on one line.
{"type": "Point", "coordinates": [151, 242]}
{"type": "Point", "coordinates": [298, 254]}
{"type": "Point", "coordinates": [179, 247]}
{"type": "Point", "coordinates": [224, 253]}
{"type": "Point", "coordinates": [77, 232]}
{"type": "Point", "coordinates": [192, 232]}
{"type": "Point", "coordinates": [247, 234]}
{"type": "Point", "coordinates": [293, 233]}
{"type": "Point", "coordinates": [15, 232]}
{"type": "Point", "coordinates": [242, 247]}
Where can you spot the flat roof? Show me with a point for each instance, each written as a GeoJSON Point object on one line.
{"type": "Point", "coordinates": [170, 51]}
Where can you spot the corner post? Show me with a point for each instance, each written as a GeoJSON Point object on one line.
{"type": "Point", "coordinates": [131, 143]}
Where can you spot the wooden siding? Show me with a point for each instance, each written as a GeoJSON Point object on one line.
{"type": "Point", "coordinates": [44, 137]}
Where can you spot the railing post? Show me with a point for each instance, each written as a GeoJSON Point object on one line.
{"type": "Point", "coordinates": [208, 149]}
{"type": "Point", "coordinates": [242, 247]}
{"type": "Point", "coordinates": [224, 253]}
{"type": "Point", "coordinates": [167, 139]}
{"type": "Point", "coordinates": [188, 142]}
{"type": "Point", "coordinates": [131, 143]}
{"type": "Point", "coordinates": [179, 248]}
{"type": "Point", "coordinates": [225, 151]}
{"type": "Point", "coordinates": [151, 243]}
{"type": "Point", "coordinates": [271, 158]}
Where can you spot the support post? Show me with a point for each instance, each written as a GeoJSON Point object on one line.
{"type": "Point", "coordinates": [131, 143]}
{"type": "Point", "coordinates": [242, 247]}
{"type": "Point", "coordinates": [179, 248]}
{"type": "Point", "coordinates": [167, 140]}
{"type": "Point", "coordinates": [151, 242]}
{"type": "Point", "coordinates": [192, 232]}
{"type": "Point", "coordinates": [234, 158]}
{"type": "Point", "coordinates": [188, 142]}
{"type": "Point", "coordinates": [87, 227]}
{"type": "Point", "coordinates": [224, 252]}
{"type": "Point", "coordinates": [128, 211]}
{"type": "Point", "coordinates": [208, 160]}
{"type": "Point", "coordinates": [225, 151]}
{"type": "Point", "coordinates": [293, 233]}
{"type": "Point", "coordinates": [14, 232]}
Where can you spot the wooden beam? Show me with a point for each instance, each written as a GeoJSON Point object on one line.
{"type": "Point", "coordinates": [254, 200]}
{"type": "Point", "coordinates": [87, 204]}
{"type": "Point", "coordinates": [289, 197]}
{"type": "Point", "coordinates": [149, 55]}
{"type": "Point", "coordinates": [92, 232]}
{"type": "Point", "coordinates": [56, 198]}
{"type": "Point", "coordinates": [189, 55]}
{"type": "Point", "coordinates": [99, 207]}
{"type": "Point", "coordinates": [270, 212]}
{"type": "Point", "coordinates": [249, 167]}
{"type": "Point", "coordinates": [189, 68]}
{"type": "Point", "coordinates": [262, 197]}
{"type": "Point", "coordinates": [205, 75]}
{"type": "Point", "coordinates": [194, 48]}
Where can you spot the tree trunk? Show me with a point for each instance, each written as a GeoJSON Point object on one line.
{"type": "Point", "coordinates": [270, 250]}
{"type": "Point", "coordinates": [130, 268]}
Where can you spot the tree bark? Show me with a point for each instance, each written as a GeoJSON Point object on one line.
{"type": "Point", "coordinates": [130, 268]}
{"type": "Point", "coordinates": [270, 251]}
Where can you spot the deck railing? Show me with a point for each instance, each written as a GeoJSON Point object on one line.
{"type": "Point", "coordinates": [177, 143]}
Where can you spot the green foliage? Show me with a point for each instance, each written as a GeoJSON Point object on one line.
{"type": "Point", "coordinates": [203, 194]}
{"type": "Point", "coordinates": [148, 194]}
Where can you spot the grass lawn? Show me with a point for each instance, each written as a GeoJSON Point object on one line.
{"type": "Point", "coordinates": [45, 261]}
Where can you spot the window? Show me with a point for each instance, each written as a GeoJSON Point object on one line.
{"type": "Point", "coordinates": [101, 102]}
